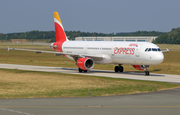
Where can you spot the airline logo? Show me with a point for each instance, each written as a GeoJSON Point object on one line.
{"type": "Point", "coordinates": [59, 30]}
{"type": "Point", "coordinates": [124, 50]}
{"type": "Point", "coordinates": [80, 61]}
{"type": "Point", "coordinates": [133, 45]}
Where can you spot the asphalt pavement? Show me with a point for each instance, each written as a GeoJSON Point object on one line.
{"type": "Point", "coordinates": [165, 102]}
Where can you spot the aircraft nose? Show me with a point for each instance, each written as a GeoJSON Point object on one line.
{"type": "Point", "coordinates": [159, 57]}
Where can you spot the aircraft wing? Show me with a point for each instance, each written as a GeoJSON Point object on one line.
{"type": "Point", "coordinates": [74, 55]}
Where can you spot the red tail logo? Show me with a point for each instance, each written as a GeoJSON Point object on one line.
{"type": "Point", "coordinates": [59, 30]}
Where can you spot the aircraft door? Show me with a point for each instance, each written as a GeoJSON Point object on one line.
{"type": "Point", "coordinates": [137, 50]}
{"type": "Point", "coordinates": [85, 49]}
{"type": "Point", "coordinates": [117, 55]}
{"type": "Point", "coordinates": [112, 50]}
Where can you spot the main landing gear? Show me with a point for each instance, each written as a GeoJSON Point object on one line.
{"type": "Point", "coordinates": [119, 68]}
{"type": "Point", "coordinates": [146, 73]}
{"type": "Point", "coordinates": [81, 70]}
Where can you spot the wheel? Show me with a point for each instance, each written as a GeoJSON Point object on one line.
{"type": "Point", "coordinates": [121, 69]}
{"type": "Point", "coordinates": [85, 71]}
{"type": "Point", "coordinates": [80, 70]}
{"type": "Point", "coordinates": [146, 73]}
{"type": "Point", "coordinates": [116, 69]}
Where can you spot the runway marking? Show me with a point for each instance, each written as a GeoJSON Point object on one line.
{"type": "Point", "coordinates": [13, 111]}
{"type": "Point", "coordinates": [86, 106]}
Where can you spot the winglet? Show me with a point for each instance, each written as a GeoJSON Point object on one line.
{"type": "Point", "coordinates": [167, 50]}
{"type": "Point", "coordinates": [8, 48]}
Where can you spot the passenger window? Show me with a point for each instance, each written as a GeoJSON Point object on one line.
{"type": "Point", "coordinates": [149, 49]}
{"type": "Point", "coordinates": [146, 49]}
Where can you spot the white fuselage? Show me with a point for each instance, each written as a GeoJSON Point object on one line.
{"type": "Point", "coordinates": [116, 52]}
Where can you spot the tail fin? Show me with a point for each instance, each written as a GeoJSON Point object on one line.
{"type": "Point", "coordinates": [59, 30]}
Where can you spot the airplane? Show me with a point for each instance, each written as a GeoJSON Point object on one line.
{"type": "Point", "coordinates": [86, 53]}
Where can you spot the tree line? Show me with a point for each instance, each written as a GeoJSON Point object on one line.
{"type": "Point", "coordinates": [35, 34]}
{"type": "Point", "coordinates": [172, 37]}
{"type": "Point", "coordinates": [141, 33]}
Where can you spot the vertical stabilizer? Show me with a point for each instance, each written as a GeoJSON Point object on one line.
{"type": "Point", "coordinates": [59, 30]}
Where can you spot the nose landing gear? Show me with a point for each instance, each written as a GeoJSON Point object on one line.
{"type": "Point", "coordinates": [146, 73]}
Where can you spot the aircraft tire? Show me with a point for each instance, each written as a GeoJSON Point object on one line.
{"type": "Point", "coordinates": [80, 70]}
{"type": "Point", "coordinates": [116, 69]}
{"type": "Point", "coordinates": [85, 71]}
{"type": "Point", "coordinates": [121, 69]}
{"type": "Point", "coordinates": [146, 73]}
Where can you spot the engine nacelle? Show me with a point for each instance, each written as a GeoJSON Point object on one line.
{"type": "Point", "coordinates": [85, 63]}
{"type": "Point", "coordinates": [139, 67]}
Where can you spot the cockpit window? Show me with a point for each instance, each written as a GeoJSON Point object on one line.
{"type": "Point", "coordinates": [146, 49]}
{"type": "Point", "coordinates": [152, 49]}
{"type": "Point", "coordinates": [149, 49]}
{"type": "Point", "coordinates": [159, 49]}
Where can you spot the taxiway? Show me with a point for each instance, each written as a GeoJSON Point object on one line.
{"type": "Point", "coordinates": [126, 75]}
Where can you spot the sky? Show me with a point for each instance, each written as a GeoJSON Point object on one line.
{"type": "Point", "coordinates": [102, 16]}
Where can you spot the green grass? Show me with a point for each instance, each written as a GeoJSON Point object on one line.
{"type": "Point", "coordinates": [29, 84]}
{"type": "Point", "coordinates": [14, 45]}
{"type": "Point", "coordinates": [169, 46]}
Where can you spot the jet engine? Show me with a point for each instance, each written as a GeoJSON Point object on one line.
{"type": "Point", "coordinates": [85, 63]}
{"type": "Point", "coordinates": [139, 67]}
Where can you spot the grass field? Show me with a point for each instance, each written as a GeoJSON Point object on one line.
{"type": "Point", "coordinates": [169, 46]}
{"type": "Point", "coordinates": [29, 84]}
{"type": "Point", "coordinates": [14, 45]}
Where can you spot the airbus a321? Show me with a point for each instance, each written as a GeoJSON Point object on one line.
{"type": "Point", "coordinates": [86, 53]}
